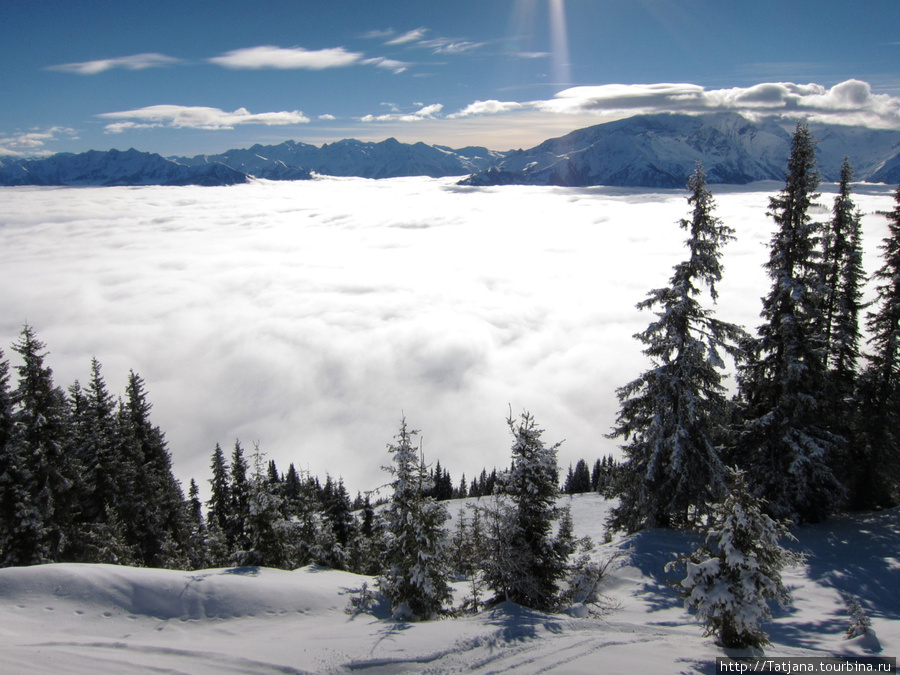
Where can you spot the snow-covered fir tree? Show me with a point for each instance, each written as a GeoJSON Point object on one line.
{"type": "Point", "coordinates": [523, 561]}
{"type": "Point", "coordinates": [21, 527]}
{"type": "Point", "coordinates": [875, 468]}
{"type": "Point", "coordinates": [198, 545]}
{"type": "Point", "coordinates": [40, 416]}
{"type": "Point", "coordinates": [239, 500]}
{"type": "Point", "coordinates": [269, 534]}
{"type": "Point", "coordinates": [843, 302]}
{"type": "Point", "coordinates": [673, 415]}
{"type": "Point", "coordinates": [156, 516]}
{"type": "Point", "coordinates": [417, 574]}
{"type": "Point", "coordinates": [735, 572]}
{"type": "Point", "coordinates": [783, 441]}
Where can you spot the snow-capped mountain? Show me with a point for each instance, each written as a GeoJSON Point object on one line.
{"type": "Point", "coordinates": [662, 150]}
{"type": "Point", "coordinates": [388, 159]}
{"type": "Point", "coordinates": [114, 167]}
{"type": "Point", "coordinates": [656, 151]}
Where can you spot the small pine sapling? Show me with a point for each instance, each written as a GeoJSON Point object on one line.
{"type": "Point", "coordinates": [859, 620]}
{"type": "Point", "coordinates": [733, 574]}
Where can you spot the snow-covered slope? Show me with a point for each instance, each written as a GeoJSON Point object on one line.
{"type": "Point", "coordinates": [388, 159]}
{"type": "Point", "coordinates": [103, 619]}
{"type": "Point", "coordinates": [114, 167]}
{"type": "Point", "coordinates": [662, 151]}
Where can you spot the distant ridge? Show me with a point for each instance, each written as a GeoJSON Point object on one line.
{"type": "Point", "coordinates": [662, 150]}
{"type": "Point", "coordinates": [652, 151]}
{"type": "Point", "coordinates": [113, 167]}
{"type": "Point", "coordinates": [387, 159]}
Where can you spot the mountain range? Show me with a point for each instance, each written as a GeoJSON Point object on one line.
{"type": "Point", "coordinates": [656, 151]}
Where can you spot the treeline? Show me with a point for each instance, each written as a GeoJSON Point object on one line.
{"type": "Point", "coordinates": [813, 426]}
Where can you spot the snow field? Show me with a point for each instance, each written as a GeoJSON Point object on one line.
{"type": "Point", "coordinates": [102, 619]}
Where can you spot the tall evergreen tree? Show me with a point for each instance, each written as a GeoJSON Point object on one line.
{"type": "Point", "coordinates": [523, 559]}
{"type": "Point", "coordinates": [219, 504]}
{"type": "Point", "coordinates": [239, 498]}
{"type": "Point", "coordinates": [875, 468]}
{"type": "Point", "coordinates": [197, 547]}
{"type": "Point", "coordinates": [672, 415]}
{"type": "Point", "coordinates": [268, 532]}
{"type": "Point", "coordinates": [21, 526]}
{"type": "Point", "coordinates": [783, 442]}
{"type": "Point", "coordinates": [41, 420]}
{"type": "Point", "coordinates": [844, 277]}
{"type": "Point", "coordinates": [416, 580]}
{"type": "Point", "coordinates": [159, 524]}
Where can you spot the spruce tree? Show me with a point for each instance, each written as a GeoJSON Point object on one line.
{"type": "Point", "coordinates": [783, 441]}
{"type": "Point", "coordinates": [874, 472]}
{"type": "Point", "coordinates": [197, 546]}
{"type": "Point", "coordinates": [416, 579]}
{"type": "Point", "coordinates": [159, 524]}
{"type": "Point", "coordinates": [844, 278]}
{"type": "Point", "coordinates": [268, 532]}
{"type": "Point", "coordinates": [41, 428]}
{"type": "Point", "coordinates": [219, 504]}
{"type": "Point", "coordinates": [736, 571]}
{"type": "Point", "coordinates": [239, 501]}
{"type": "Point", "coordinates": [21, 526]}
{"type": "Point", "coordinates": [523, 560]}
{"type": "Point", "coordinates": [672, 416]}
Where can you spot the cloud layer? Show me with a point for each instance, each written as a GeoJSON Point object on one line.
{"type": "Point", "coordinates": [311, 315]}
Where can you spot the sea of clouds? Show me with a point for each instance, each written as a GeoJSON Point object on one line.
{"type": "Point", "coordinates": [311, 315]}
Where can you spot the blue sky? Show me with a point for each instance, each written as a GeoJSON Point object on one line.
{"type": "Point", "coordinates": [193, 77]}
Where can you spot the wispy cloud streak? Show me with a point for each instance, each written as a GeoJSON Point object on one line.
{"type": "Point", "coordinates": [196, 117]}
{"type": "Point", "coordinates": [135, 62]}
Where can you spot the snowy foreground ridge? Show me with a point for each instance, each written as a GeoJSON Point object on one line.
{"type": "Point", "coordinates": [107, 619]}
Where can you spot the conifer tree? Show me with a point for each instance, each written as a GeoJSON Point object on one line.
{"type": "Point", "coordinates": [158, 524]}
{"type": "Point", "coordinates": [21, 527]}
{"type": "Point", "coordinates": [524, 561]}
{"type": "Point", "coordinates": [219, 504]}
{"type": "Point", "coordinates": [197, 546]}
{"type": "Point", "coordinates": [783, 442]}
{"type": "Point", "coordinates": [736, 571]}
{"type": "Point", "coordinates": [268, 532]}
{"type": "Point", "coordinates": [843, 302]}
{"type": "Point", "coordinates": [874, 473]}
{"type": "Point", "coordinates": [239, 501]}
{"type": "Point", "coordinates": [416, 579]}
{"type": "Point", "coordinates": [672, 415]}
{"type": "Point", "coordinates": [42, 425]}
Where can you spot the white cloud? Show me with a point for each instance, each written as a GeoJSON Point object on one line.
{"type": "Point", "coordinates": [410, 36]}
{"type": "Point", "coordinates": [425, 113]}
{"type": "Point", "coordinates": [32, 142]}
{"type": "Point", "coordinates": [393, 65]}
{"type": "Point", "coordinates": [196, 117]}
{"type": "Point", "coordinates": [492, 107]}
{"type": "Point", "coordinates": [135, 62]}
{"type": "Point", "coordinates": [327, 117]}
{"type": "Point", "coordinates": [256, 58]}
{"type": "Point", "coordinates": [378, 34]}
{"type": "Point", "coordinates": [847, 102]}
{"type": "Point", "coordinates": [449, 46]}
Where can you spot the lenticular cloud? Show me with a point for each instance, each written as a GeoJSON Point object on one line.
{"type": "Point", "coordinates": [311, 315]}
